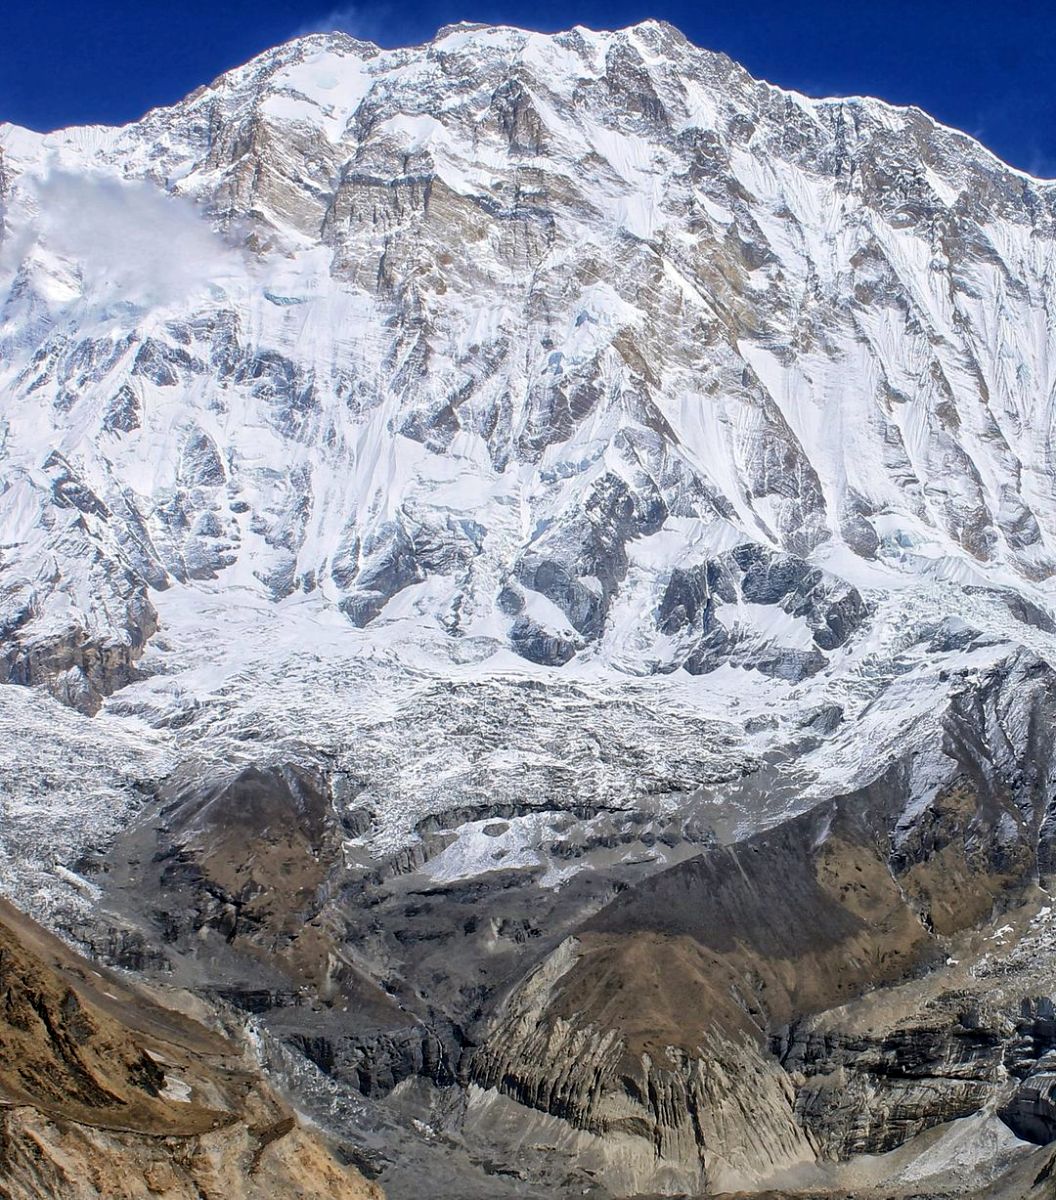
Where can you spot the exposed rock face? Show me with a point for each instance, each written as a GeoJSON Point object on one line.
{"type": "Point", "coordinates": [867, 1096]}
{"type": "Point", "coordinates": [43, 1159]}
{"type": "Point", "coordinates": [244, 887]}
{"type": "Point", "coordinates": [658, 1107]}
{"type": "Point", "coordinates": [107, 1093]}
{"type": "Point", "coordinates": [77, 669]}
{"type": "Point", "coordinates": [285, 813]}
{"type": "Point", "coordinates": [681, 1014]}
{"type": "Point", "coordinates": [79, 662]}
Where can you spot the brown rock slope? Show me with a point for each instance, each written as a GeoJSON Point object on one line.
{"type": "Point", "coordinates": [106, 1093]}
{"type": "Point", "coordinates": [671, 1024]}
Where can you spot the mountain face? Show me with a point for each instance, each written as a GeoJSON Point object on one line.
{"type": "Point", "coordinates": [534, 561]}
{"type": "Point", "coordinates": [580, 347]}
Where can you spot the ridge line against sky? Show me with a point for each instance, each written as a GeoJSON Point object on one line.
{"type": "Point", "coordinates": [984, 68]}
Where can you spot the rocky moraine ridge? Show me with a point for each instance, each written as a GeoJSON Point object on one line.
{"type": "Point", "coordinates": [527, 594]}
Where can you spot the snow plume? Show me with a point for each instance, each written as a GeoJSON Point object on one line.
{"type": "Point", "coordinates": [127, 240]}
{"type": "Point", "coordinates": [367, 24]}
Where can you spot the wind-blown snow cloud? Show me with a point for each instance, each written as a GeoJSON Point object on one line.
{"type": "Point", "coordinates": [375, 23]}
{"type": "Point", "coordinates": [128, 240]}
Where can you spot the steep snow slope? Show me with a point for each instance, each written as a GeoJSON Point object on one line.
{"type": "Point", "coordinates": [585, 346]}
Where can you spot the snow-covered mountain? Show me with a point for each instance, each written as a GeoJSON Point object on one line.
{"type": "Point", "coordinates": [564, 433]}
{"type": "Point", "coordinates": [581, 346]}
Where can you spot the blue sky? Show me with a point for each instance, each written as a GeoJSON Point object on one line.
{"type": "Point", "coordinates": [987, 68]}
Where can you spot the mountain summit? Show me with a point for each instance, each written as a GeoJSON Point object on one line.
{"type": "Point", "coordinates": [544, 344]}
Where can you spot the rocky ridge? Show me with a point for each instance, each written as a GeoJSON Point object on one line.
{"type": "Point", "coordinates": [106, 1092]}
